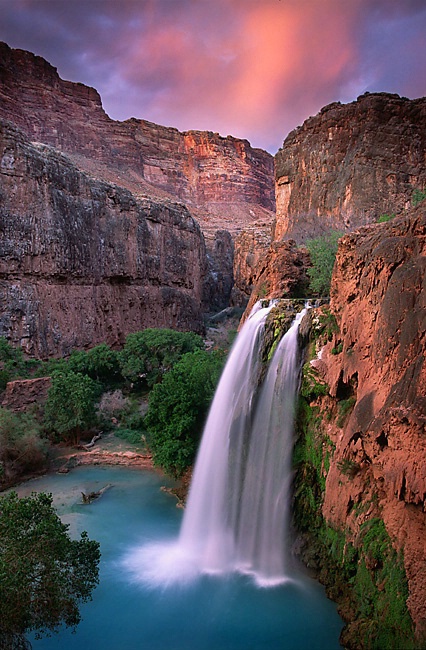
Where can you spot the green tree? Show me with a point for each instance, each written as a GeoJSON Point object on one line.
{"type": "Point", "coordinates": [99, 363]}
{"type": "Point", "coordinates": [44, 575]}
{"type": "Point", "coordinates": [178, 407]}
{"type": "Point", "coordinates": [322, 251]}
{"type": "Point", "coordinates": [147, 355]}
{"type": "Point", "coordinates": [70, 404]}
{"type": "Point", "coordinates": [21, 446]}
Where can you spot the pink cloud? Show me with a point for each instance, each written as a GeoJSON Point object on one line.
{"type": "Point", "coordinates": [252, 68]}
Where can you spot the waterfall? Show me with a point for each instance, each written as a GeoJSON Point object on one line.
{"type": "Point", "coordinates": [236, 518]}
{"type": "Point", "coordinates": [237, 511]}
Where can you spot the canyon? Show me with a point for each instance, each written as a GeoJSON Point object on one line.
{"type": "Point", "coordinates": [111, 227]}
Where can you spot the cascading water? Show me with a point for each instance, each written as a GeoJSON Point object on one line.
{"type": "Point", "coordinates": [237, 510]}
{"type": "Point", "coordinates": [212, 509]}
{"type": "Point", "coordinates": [236, 516]}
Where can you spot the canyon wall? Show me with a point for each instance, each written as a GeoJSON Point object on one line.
{"type": "Point", "coordinates": [349, 165]}
{"type": "Point", "coordinates": [367, 377]}
{"type": "Point", "coordinates": [84, 261]}
{"type": "Point", "coordinates": [227, 182]}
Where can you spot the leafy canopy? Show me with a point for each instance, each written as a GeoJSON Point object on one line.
{"type": "Point", "coordinates": [322, 251]}
{"type": "Point", "coordinates": [149, 354]}
{"type": "Point", "coordinates": [178, 407]}
{"type": "Point", "coordinates": [70, 404]}
{"type": "Point", "coordinates": [44, 575]}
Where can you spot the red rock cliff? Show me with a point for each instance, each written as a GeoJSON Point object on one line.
{"type": "Point", "coordinates": [349, 165]}
{"type": "Point", "coordinates": [377, 360]}
{"type": "Point", "coordinates": [84, 261]}
{"type": "Point", "coordinates": [227, 182]}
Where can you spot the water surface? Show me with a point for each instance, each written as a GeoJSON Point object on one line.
{"type": "Point", "coordinates": [210, 613]}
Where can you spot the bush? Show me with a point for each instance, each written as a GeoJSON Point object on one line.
{"type": "Point", "coordinates": [178, 407]}
{"type": "Point", "coordinates": [384, 218]}
{"type": "Point", "coordinates": [149, 354]}
{"type": "Point", "coordinates": [322, 251]}
{"type": "Point", "coordinates": [22, 448]}
{"type": "Point", "coordinates": [44, 575]}
{"type": "Point", "coordinates": [100, 363]}
{"type": "Point", "coordinates": [12, 363]}
{"type": "Point", "coordinates": [418, 197]}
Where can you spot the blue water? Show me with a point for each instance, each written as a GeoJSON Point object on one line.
{"type": "Point", "coordinates": [211, 613]}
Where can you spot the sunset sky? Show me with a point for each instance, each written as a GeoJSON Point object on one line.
{"type": "Point", "coordinates": [255, 69]}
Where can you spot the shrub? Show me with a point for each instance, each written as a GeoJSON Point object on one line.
{"type": "Point", "coordinates": [345, 406]}
{"type": "Point", "coordinates": [178, 407]}
{"type": "Point", "coordinates": [384, 218]}
{"type": "Point", "coordinates": [12, 363]}
{"type": "Point", "coordinates": [22, 448]}
{"type": "Point", "coordinates": [418, 197]}
{"type": "Point", "coordinates": [322, 251]}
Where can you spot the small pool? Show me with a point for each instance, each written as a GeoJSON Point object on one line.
{"type": "Point", "coordinates": [210, 613]}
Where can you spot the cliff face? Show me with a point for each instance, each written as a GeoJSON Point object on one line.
{"type": "Point", "coordinates": [221, 178]}
{"type": "Point", "coordinates": [349, 165]}
{"type": "Point", "coordinates": [281, 271]}
{"type": "Point", "coordinates": [374, 413]}
{"type": "Point", "coordinates": [84, 261]}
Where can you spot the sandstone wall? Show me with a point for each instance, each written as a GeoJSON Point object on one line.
{"type": "Point", "coordinates": [223, 178]}
{"type": "Point", "coordinates": [349, 165]}
{"type": "Point", "coordinates": [84, 261]}
{"type": "Point", "coordinates": [377, 360]}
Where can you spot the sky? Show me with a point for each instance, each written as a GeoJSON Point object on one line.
{"type": "Point", "coordinates": [254, 69]}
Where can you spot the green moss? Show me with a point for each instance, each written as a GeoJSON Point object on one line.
{"type": "Point", "coordinates": [365, 574]}
{"type": "Point", "coordinates": [385, 218]}
{"type": "Point", "coordinates": [312, 385]}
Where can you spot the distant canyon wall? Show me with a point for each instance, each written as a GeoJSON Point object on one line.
{"type": "Point", "coordinates": [83, 261]}
{"type": "Point", "coordinates": [224, 179]}
{"type": "Point", "coordinates": [349, 165]}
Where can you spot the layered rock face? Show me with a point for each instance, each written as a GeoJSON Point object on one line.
{"type": "Point", "coordinates": [228, 183]}
{"type": "Point", "coordinates": [280, 272]}
{"type": "Point", "coordinates": [349, 165]}
{"type": "Point", "coordinates": [375, 365]}
{"type": "Point", "coordinates": [84, 261]}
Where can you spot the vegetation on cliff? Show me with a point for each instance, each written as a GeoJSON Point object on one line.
{"type": "Point", "coordinates": [361, 569]}
{"type": "Point", "coordinates": [107, 389]}
{"type": "Point", "coordinates": [322, 252]}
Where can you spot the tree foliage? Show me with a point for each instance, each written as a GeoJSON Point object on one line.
{"type": "Point", "coordinates": [70, 404]}
{"type": "Point", "coordinates": [322, 251]}
{"type": "Point", "coordinates": [44, 575]}
{"type": "Point", "coordinates": [149, 354]}
{"type": "Point", "coordinates": [22, 447]}
{"type": "Point", "coordinates": [178, 407]}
